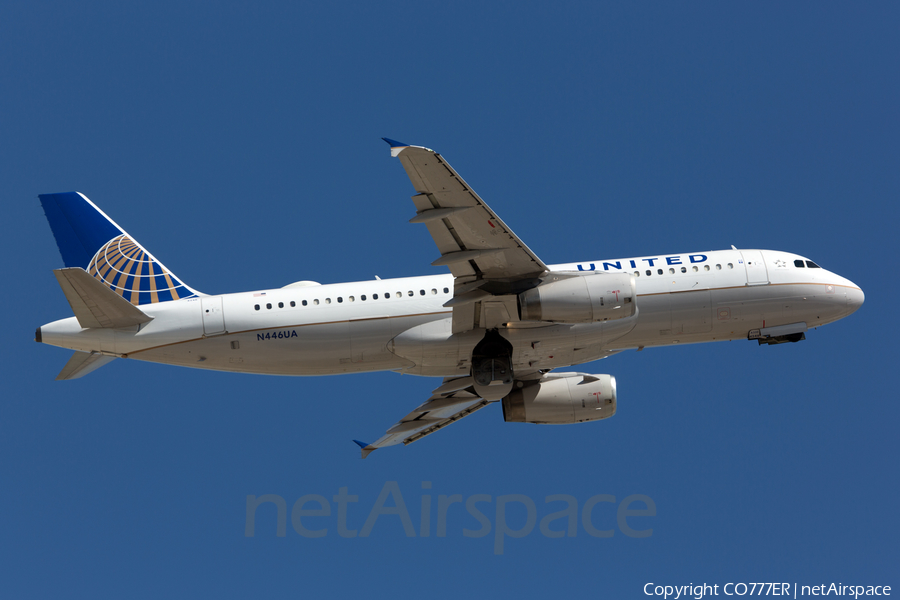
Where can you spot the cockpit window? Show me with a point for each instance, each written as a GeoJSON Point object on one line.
{"type": "Point", "coordinates": [812, 265]}
{"type": "Point", "coordinates": [798, 263]}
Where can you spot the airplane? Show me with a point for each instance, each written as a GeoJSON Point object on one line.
{"type": "Point", "coordinates": [496, 328]}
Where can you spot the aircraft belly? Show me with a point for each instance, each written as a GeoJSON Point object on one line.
{"type": "Point", "coordinates": [654, 323]}
{"type": "Point", "coordinates": [369, 340]}
{"type": "Point", "coordinates": [734, 312]}
{"type": "Point", "coordinates": [309, 350]}
{"type": "Point", "coordinates": [433, 349]}
{"type": "Point", "coordinates": [738, 310]}
{"type": "Point", "coordinates": [691, 312]}
{"type": "Point", "coordinates": [545, 347]}
{"type": "Point", "coordinates": [554, 346]}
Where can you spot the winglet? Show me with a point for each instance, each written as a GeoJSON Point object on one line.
{"type": "Point", "coordinates": [396, 147]}
{"type": "Point", "coordinates": [395, 143]}
{"type": "Point", "coordinates": [366, 448]}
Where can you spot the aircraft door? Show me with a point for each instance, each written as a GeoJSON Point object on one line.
{"type": "Point", "coordinates": [756, 267]}
{"type": "Point", "coordinates": [213, 316]}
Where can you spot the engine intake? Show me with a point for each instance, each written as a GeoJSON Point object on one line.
{"type": "Point", "coordinates": [565, 298]}
{"type": "Point", "coordinates": [562, 398]}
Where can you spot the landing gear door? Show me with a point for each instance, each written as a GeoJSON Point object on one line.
{"type": "Point", "coordinates": [757, 274]}
{"type": "Point", "coordinates": [213, 317]}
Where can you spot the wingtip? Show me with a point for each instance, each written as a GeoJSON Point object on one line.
{"type": "Point", "coordinates": [366, 448]}
{"type": "Point", "coordinates": [396, 147]}
{"type": "Point", "coordinates": [394, 143]}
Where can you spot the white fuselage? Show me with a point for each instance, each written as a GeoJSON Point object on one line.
{"type": "Point", "coordinates": [402, 325]}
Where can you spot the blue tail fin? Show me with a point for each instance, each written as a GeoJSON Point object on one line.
{"type": "Point", "coordinates": [87, 238]}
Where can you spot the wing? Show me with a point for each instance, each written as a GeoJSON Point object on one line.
{"type": "Point", "coordinates": [448, 404]}
{"type": "Point", "coordinates": [484, 255]}
{"type": "Point", "coordinates": [451, 401]}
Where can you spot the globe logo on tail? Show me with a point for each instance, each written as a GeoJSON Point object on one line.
{"type": "Point", "coordinates": [134, 274]}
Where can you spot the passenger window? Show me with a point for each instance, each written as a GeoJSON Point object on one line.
{"type": "Point", "coordinates": [637, 273]}
{"type": "Point", "coordinates": [351, 298]}
{"type": "Point", "coordinates": [281, 305]}
{"type": "Point", "coordinates": [340, 299]}
{"type": "Point", "coordinates": [421, 292]}
{"type": "Point", "coordinates": [316, 302]}
{"type": "Point", "coordinates": [374, 297]}
{"type": "Point", "coordinates": [304, 303]}
{"type": "Point", "coordinates": [269, 306]}
{"type": "Point", "coordinates": [695, 268]}
{"type": "Point", "coordinates": [706, 267]}
{"type": "Point", "coordinates": [433, 292]}
{"type": "Point", "coordinates": [648, 272]}
{"type": "Point", "coordinates": [718, 267]}
{"type": "Point", "coordinates": [684, 269]}
{"type": "Point", "coordinates": [671, 271]}
{"type": "Point", "coordinates": [327, 300]}
{"type": "Point", "coordinates": [730, 266]}
{"type": "Point", "coordinates": [410, 292]}
{"type": "Point", "coordinates": [798, 264]}
{"type": "Point", "coordinates": [293, 304]}
{"type": "Point", "coordinates": [812, 265]}
{"type": "Point", "coordinates": [363, 297]}
{"type": "Point", "coordinates": [659, 271]}
{"type": "Point", "coordinates": [256, 306]}
{"type": "Point", "coordinates": [446, 290]}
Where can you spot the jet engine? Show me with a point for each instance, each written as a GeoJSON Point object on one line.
{"type": "Point", "coordinates": [569, 298]}
{"type": "Point", "coordinates": [562, 398]}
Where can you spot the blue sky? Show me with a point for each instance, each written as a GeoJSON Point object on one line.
{"type": "Point", "coordinates": [241, 145]}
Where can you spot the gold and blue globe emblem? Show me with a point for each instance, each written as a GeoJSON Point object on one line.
{"type": "Point", "coordinates": [135, 275]}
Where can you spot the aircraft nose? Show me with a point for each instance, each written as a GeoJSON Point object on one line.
{"type": "Point", "coordinates": [855, 298]}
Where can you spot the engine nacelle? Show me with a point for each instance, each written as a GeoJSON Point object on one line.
{"type": "Point", "coordinates": [567, 298]}
{"type": "Point", "coordinates": [562, 398]}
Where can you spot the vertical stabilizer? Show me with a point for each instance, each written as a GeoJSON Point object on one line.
{"type": "Point", "coordinates": [90, 240]}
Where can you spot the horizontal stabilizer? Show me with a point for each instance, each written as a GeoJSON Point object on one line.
{"type": "Point", "coordinates": [94, 304]}
{"type": "Point", "coordinates": [83, 363]}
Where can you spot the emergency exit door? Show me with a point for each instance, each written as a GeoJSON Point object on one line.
{"type": "Point", "coordinates": [213, 316]}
